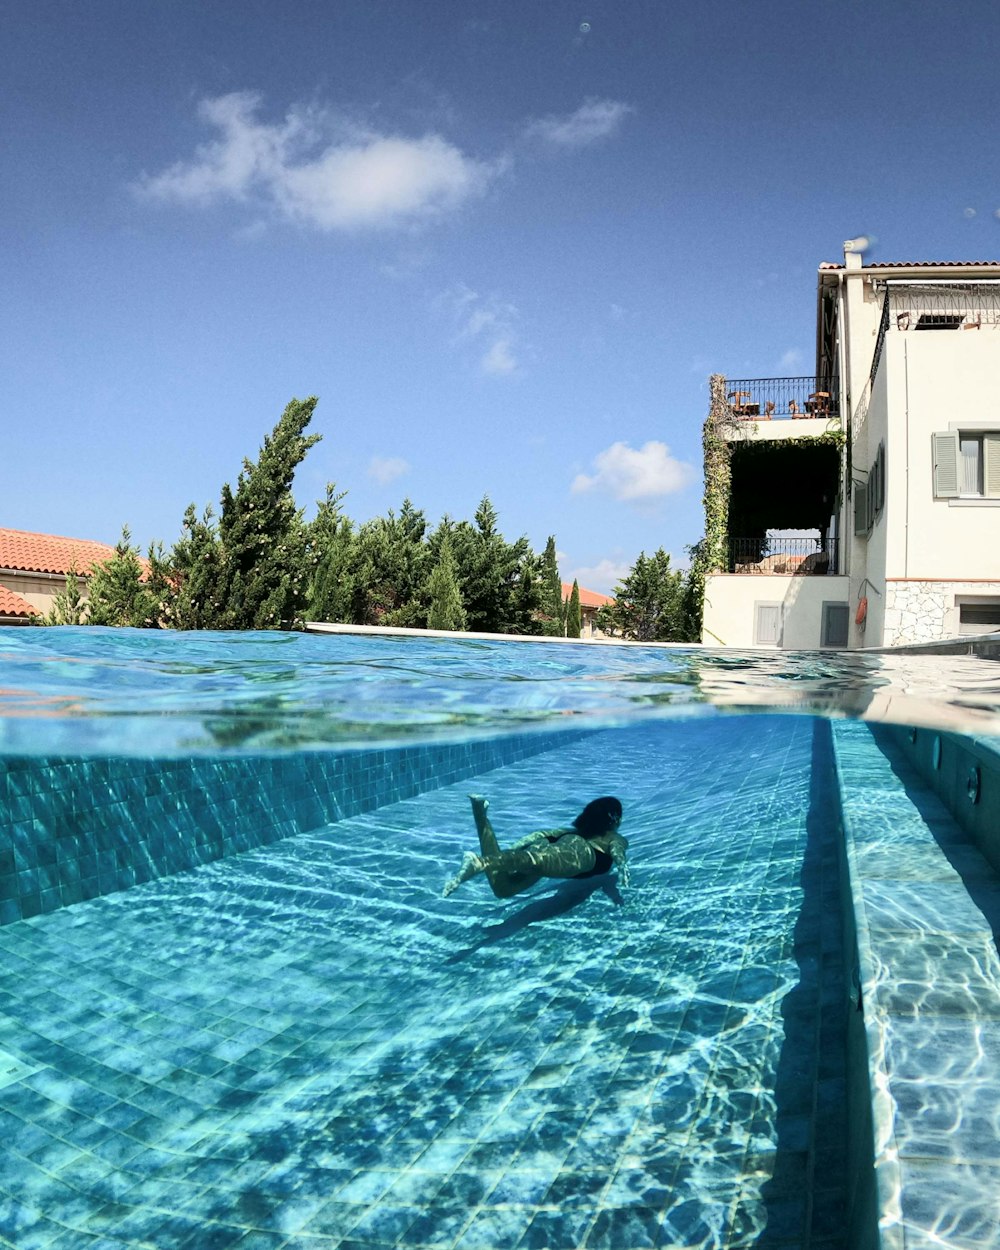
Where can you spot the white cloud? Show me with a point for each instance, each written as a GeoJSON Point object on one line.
{"type": "Point", "coordinates": [499, 358]}
{"type": "Point", "coordinates": [792, 359]}
{"type": "Point", "coordinates": [593, 120]}
{"type": "Point", "coordinates": [316, 169]}
{"type": "Point", "coordinates": [602, 577]}
{"type": "Point", "coordinates": [489, 322]}
{"type": "Point", "coordinates": [385, 469]}
{"type": "Point", "coordinates": [634, 476]}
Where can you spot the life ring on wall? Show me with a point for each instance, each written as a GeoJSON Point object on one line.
{"type": "Point", "coordinates": [862, 612]}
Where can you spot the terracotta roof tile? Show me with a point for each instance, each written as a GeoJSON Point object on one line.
{"type": "Point", "coordinates": [932, 264]}
{"type": "Point", "coordinates": [14, 605]}
{"type": "Point", "coordinates": [919, 264]}
{"type": "Point", "coordinates": [48, 553]}
{"type": "Point", "coordinates": [588, 598]}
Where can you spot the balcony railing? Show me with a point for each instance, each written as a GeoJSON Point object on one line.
{"type": "Point", "coordinates": [798, 556]}
{"type": "Point", "coordinates": [766, 399]}
{"type": "Point", "coordinates": [943, 305]}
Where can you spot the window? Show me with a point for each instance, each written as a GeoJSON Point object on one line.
{"type": "Point", "coordinates": [836, 620]}
{"type": "Point", "coordinates": [967, 464]}
{"type": "Point", "coordinates": [940, 321]}
{"type": "Point", "coordinates": [978, 616]}
{"type": "Point", "coordinates": [767, 625]}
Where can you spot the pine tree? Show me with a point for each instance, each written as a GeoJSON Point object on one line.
{"type": "Point", "coordinates": [117, 594]}
{"type": "Point", "coordinates": [262, 560]}
{"type": "Point", "coordinates": [69, 607]}
{"type": "Point", "coordinates": [446, 611]}
{"type": "Point", "coordinates": [573, 620]}
{"type": "Point", "coordinates": [553, 617]}
{"type": "Point", "coordinates": [650, 603]}
{"type": "Point", "coordinates": [497, 579]}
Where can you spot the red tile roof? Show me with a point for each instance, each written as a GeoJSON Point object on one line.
{"type": "Point", "coordinates": [48, 553]}
{"type": "Point", "coordinates": [588, 598]}
{"type": "Point", "coordinates": [920, 264]}
{"type": "Point", "coordinates": [14, 605]}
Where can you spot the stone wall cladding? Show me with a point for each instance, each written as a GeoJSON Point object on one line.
{"type": "Point", "coordinates": [923, 611]}
{"type": "Point", "coordinates": [72, 828]}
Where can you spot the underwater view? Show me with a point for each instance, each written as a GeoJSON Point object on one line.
{"type": "Point", "coordinates": [237, 1010]}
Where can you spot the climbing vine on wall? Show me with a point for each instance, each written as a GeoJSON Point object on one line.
{"type": "Point", "coordinates": [723, 433]}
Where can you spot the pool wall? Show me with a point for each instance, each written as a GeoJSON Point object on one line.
{"type": "Point", "coordinates": [73, 828]}
{"type": "Point", "coordinates": [964, 772]}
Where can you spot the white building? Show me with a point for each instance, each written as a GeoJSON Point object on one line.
{"type": "Point", "coordinates": [860, 506]}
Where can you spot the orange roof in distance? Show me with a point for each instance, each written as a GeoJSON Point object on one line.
{"type": "Point", "coordinates": [588, 598]}
{"type": "Point", "coordinates": [48, 553]}
{"type": "Point", "coordinates": [14, 605]}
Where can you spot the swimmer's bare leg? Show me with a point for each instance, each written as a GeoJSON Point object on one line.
{"type": "Point", "coordinates": [473, 864]}
{"type": "Point", "coordinates": [487, 838]}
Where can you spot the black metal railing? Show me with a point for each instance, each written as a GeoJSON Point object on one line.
{"type": "Point", "coordinates": [800, 556]}
{"type": "Point", "coordinates": [766, 399]}
{"type": "Point", "coordinates": [942, 305]}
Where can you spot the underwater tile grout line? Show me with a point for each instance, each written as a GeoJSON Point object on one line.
{"type": "Point", "coordinates": [75, 828]}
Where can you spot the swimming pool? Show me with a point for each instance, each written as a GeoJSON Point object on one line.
{"type": "Point", "coordinates": [282, 1036]}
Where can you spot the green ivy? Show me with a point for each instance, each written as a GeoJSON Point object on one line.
{"type": "Point", "coordinates": [712, 554]}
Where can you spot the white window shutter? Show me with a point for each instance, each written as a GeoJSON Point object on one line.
{"type": "Point", "coordinates": [945, 452]}
{"type": "Point", "coordinates": [991, 466]}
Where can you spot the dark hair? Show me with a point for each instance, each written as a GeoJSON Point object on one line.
{"type": "Point", "coordinates": [597, 816]}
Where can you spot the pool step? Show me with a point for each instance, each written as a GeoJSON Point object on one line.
{"type": "Point", "coordinates": [926, 910]}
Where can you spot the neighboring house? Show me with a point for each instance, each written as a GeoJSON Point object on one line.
{"type": "Point", "coordinates": [860, 506]}
{"type": "Point", "coordinates": [33, 570]}
{"type": "Point", "coordinates": [590, 601]}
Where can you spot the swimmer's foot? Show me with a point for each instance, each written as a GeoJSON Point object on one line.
{"type": "Point", "coordinates": [472, 865]}
{"type": "Point", "coordinates": [479, 804]}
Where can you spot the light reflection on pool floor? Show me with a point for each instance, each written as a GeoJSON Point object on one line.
{"type": "Point", "coordinates": [307, 1047]}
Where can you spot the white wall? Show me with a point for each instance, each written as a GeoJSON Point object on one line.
{"type": "Point", "coordinates": [730, 599]}
{"type": "Point", "coordinates": [937, 378]}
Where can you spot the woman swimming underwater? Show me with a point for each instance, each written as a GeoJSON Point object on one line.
{"type": "Point", "coordinates": [591, 847]}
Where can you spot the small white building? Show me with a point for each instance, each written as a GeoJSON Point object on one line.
{"type": "Point", "coordinates": [860, 506]}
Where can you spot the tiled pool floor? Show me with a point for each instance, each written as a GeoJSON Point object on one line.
{"type": "Point", "coordinates": [306, 1046]}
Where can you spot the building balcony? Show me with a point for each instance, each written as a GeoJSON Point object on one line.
{"type": "Point", "coordinates": [783, 556]}
{"type": "Point", "coordinates": [775, 399]}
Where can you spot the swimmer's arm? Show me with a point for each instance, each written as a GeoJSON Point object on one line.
{"type": "Point", "coordinates": [616, 847]}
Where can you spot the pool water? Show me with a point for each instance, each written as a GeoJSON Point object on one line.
{"type": "Point", "coordinates": [307, 1046]}
{"type": "Point", "coordinates": [225, 1021]}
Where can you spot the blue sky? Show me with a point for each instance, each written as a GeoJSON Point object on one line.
{"type": "Point", "coordinates": [504, 241]}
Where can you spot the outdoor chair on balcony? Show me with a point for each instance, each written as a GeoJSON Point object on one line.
{"type": "Point", "coordinates": [818, 404]}
{"type": "Point", "coordinates": [741, 405]}
{"type": "Point", "coordinates": [795, 411]}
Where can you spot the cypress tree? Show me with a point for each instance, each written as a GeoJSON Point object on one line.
{"type": "Point", "coordinates": [573, 619]}
{"type": "Point", "coordinates": [553, 620]}
{"type": "Point", "coordinates": [446, 611]}
{"type": "Point", "coordinates": [68, 607]}
{"type": "Point", "coordinates": [117, 594]}
{"type": "Point", "coordinates": [195, 561]}
{"type": "Point", "coordinates": [262, 559]}
{"type": "Point", "coordinates": [330, 540]}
